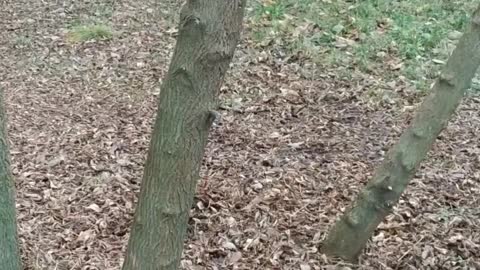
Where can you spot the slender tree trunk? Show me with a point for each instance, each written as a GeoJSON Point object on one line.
{"type": "Point", "coordinates": [9, 251]}
{"type": "Point", "coordinates": [349, 235]}
{"type": "Point", "coordinates": [208, 34]}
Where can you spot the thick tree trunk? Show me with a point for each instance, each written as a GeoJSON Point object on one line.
{"type": "Point", "coordinates": [9, 251]}
{"type": "Point", "coordinates": [208, 34]}
{"type": "Point", "coordinates": [349, 235]}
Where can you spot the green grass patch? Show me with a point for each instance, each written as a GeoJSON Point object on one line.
{"type": "Point", "coordinates": [391, 37]}
{"type": "Point", "coordinates": [22, 42]}
{"type": "Point", "coordinates": [84, 33]}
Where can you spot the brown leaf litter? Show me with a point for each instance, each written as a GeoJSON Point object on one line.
{"type": "Point", "coordinates": [294, 146]}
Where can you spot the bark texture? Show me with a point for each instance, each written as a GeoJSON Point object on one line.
{"type": "Point", "coordinates": [209, 32]}
{"type": "Point", "coordinates": [350, 234]}
{"type": "Point", "coordinates": [9, 251]}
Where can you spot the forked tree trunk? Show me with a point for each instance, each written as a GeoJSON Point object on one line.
{"type": "Point", "coordinates": [209, 31]}
{"type": "Point", "coordinates": [349, 235]}
{"type": "Point", "coordinates": [9, 251]}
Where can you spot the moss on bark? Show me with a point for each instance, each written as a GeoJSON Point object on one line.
{"type": "Point", "coordinates": [208, 34]}
{"type": "Point", "coordinates": [9, 250]}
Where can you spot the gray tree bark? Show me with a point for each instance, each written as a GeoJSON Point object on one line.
{"type": "Point", "coordinates": [209, 32]}
{"type": "Point", "coordinates": [9, 250]}
{"type": "Point", "coordinates": [350, 234]}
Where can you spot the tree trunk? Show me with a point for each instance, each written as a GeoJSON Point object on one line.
{"type": "Point", "coordinates": [209, 31]}
{"type": "Point", "coordinates": [9, 252]}
{"type": "Point", "coordinates": [349, 235]}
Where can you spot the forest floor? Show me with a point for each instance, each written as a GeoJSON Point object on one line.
{"type": "Point", "coordinates": [298, 138]}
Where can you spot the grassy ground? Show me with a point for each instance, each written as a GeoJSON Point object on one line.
{"type": "Point", "coordinates": [405, 38]}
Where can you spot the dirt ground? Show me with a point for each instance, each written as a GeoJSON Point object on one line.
{"type": "Point", "coordinates": [294, 146]}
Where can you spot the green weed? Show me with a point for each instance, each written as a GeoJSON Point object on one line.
{"type": "Point", "coordinates": [271, 10]}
